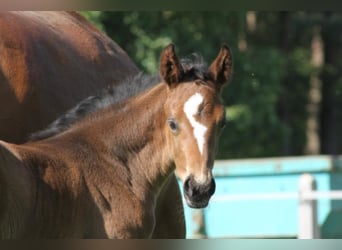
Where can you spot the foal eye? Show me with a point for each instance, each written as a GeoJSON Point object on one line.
{"type": "Point", "coordinates": [172, 124]}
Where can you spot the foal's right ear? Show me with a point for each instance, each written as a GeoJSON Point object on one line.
{"type": "Point", "coordinates": [171, 70]}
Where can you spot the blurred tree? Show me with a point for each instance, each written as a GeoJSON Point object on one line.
{"type": "Point", "coordinates": [331, 116]}
{"type": "Point", "coordinates": [94, 18]}
{"type": "Point", "coordinates": [268, 100]}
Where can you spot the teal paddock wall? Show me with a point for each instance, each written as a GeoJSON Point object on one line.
{"type": "Point", "coordinates": [267, 218]}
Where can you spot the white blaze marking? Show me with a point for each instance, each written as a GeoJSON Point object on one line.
{"type": "Point", "coordinates": [191, 107]}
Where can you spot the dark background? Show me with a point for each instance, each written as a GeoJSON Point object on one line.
{"type": "Point", "coordinates": [286, 91]}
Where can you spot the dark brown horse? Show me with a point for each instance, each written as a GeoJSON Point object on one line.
{"type": "Point", "coordinates": [49, 62]}
{"type": "Point", "coordinates": [102, 175]}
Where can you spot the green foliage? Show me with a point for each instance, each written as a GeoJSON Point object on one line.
{"type": "Point", "coordinates": [266, 99]}
{"type": "Point", "coordinates": [94, 18]}
{"type": "Point", "coordinates": [144, 34]}
{"type": "Point", "coordinates": [252, 97]}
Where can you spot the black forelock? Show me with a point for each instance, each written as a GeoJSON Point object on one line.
{"type": "Point", "coordinates": [195, 68]}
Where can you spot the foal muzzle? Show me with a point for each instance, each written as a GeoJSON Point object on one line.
{"type": "Point", "coordinates": [197, 195]}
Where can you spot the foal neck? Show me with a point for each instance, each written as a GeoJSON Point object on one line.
{"type": "Point", "coordinates": [133, 135]}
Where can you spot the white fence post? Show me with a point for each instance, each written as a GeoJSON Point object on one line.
{"type": "Point", "coordinates": [199, 224]}
{"type": "Point", "coordinates": [307, 210]}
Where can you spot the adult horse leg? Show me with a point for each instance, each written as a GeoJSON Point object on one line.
{"type": "Point", "coordinates": [170, 221]}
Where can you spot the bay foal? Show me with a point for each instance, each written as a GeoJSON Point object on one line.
{"type": "Point", "coordinates": [101, 177]}
{"type": "Point", "coordinates": [51, 60]}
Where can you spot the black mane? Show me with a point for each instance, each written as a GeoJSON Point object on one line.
{"type": "Point", "coordinates": [194, 68]}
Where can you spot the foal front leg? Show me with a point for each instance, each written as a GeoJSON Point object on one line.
{"type": "Point", "coordinates": [170, 221]}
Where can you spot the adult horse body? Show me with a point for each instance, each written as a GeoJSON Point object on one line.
{"type": "Point", "coordinates": [49, 62]}
{"type": "Point", "coordinates": [103, 174]}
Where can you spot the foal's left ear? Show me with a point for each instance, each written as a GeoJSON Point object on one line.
{"type": "Point", "coordinates": [170, 68]}
{"type": "Point", "coordinates": [221, 68]}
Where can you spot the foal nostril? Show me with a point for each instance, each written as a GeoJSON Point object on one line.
{"type": "Point", "coordinates": [187, 184]}
{"type": "Point", "coordinates": [198, 195]}
{"type": "Point", "coordinates": [197, 192]}
{"type": "Point", "coordinates": [187, 188]}
{"type": "Point", "coordinates": [191, 188]}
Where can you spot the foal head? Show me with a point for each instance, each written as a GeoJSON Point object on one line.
{"type": "Point", "coordinates": [194, 118]}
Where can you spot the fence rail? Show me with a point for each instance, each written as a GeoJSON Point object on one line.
{"type": "Point", "coordinates": [314, 195]}
{"type": "Point", "coordinates": [307, 197]}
